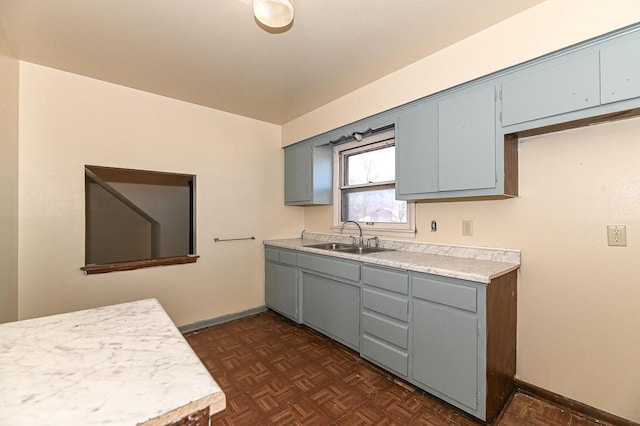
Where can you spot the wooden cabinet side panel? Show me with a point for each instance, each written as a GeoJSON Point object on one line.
{"type": "Point", "coordinates": [502, 296]}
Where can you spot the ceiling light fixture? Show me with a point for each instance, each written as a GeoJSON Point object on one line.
{"type": "Point", "coordinates": [273, 13]}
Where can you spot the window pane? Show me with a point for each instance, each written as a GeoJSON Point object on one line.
{"type": "Point", "coordinates": [371, 166]}
{"type": "Point", "coordinates": [373, 205]}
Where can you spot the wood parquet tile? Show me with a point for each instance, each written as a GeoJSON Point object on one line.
{"type": "Point", "coordinates": [276, 372]}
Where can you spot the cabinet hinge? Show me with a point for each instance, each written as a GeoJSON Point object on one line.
{"type": "Point", "coordinates": [500, 115]}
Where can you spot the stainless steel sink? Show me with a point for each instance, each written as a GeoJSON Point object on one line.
{"type": "Point", "coordinates": [348, 248]}
{"type": "Point", "coordinates": [362, 250]}
{"type": "Point", "coordinates": [332, 246]}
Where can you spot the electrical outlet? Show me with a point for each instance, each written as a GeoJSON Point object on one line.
{"type": "Point", "coordinates": [467, 227]}
{"type": "Point", "coordinates": [617, 235]}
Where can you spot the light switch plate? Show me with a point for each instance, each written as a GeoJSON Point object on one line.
{"type": "Point", "coordinates": [617, 235]}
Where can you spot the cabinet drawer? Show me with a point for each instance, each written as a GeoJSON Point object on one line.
{"type": "Point", "coordinates": [394, 307]}
{"type": "Point", "coordinates": [288, 258]}
{"type": "Point", "coordinates": [338, 268]}
{"type": "Point", "coordinates": [385, 355]}
{"type": "Point", "coordinates": [385, 329]}
{"type": "Point", "coordinates": [388, 280]}
{"type": "Point", "coordinates": [445, 293]}
{"type": "Point", "coordinates": [272, 254]}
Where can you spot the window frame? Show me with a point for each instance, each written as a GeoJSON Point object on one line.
{"type": "Point", "coordinates": [369, 143]}
{"type": "Point", "coordinates": [104, 177]}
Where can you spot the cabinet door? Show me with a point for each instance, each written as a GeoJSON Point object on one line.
{"type": "Point", "coordinates": [551, 89]}
{"type": "Point", "coordinates": [298, 169]}
{"type": "Point", "coordinates": [445, 351]}
{"type": "Point", "coordinates": [333, 307]}
{"type": "Point", "coordinates": [281, 289]}
{"type": "Point", "coordinates": [467, 140]}
{"type": "Point", "coordinates": [417, 151]}
{"type": "Point", "coordinates": [620, 72]}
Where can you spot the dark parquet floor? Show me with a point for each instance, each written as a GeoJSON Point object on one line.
{"type": "Point", "coordinates": [274, 371]}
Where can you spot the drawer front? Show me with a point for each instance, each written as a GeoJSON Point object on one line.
{"type": "Point", "coordinates": [385, 329]}
{"type": "Point", "coordinates": [388, 280]}
{"type": "Point", "coordinates": [288, 258]}
{"type": "Point", "coordinates": [385, 355]}
{"type": "Point", "coordinates": [338, 268]}
{"type": "Point", "coordinates": [445, 293]}
{"type": "Point", "coordinates": [272, 254]}
{"type": "Point", "coordinates": [391, 306]}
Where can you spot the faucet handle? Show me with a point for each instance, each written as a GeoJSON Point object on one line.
{"type": "Point", "coordinates": [375, 239]}
{"type": "Point", "coordinates": [353, 239]}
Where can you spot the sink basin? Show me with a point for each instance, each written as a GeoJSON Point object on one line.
{"type": "Point", "coordinates": [348, 248]}
{"type": "Point", "coordinates": [332, 246]}
{"type": "Point", "coordinates": [362, 250]}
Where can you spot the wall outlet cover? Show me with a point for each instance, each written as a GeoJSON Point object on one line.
{"type": "Point", "coordinates": [617, 235]}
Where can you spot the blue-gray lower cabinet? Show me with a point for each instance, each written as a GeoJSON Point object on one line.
{"type": "Point", "coordinates": [333, 307]}
{"type": "Point", "coordinates": [453, 338]}
{"type": "Point", "coordinates": [463, 341]}
{"type": "Point", "coordinates": [281, 283]}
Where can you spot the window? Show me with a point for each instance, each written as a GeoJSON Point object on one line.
{"type": "Point", "coordinates": [364, 173]}
{"type": "Point", "coordinates": [136, 218]}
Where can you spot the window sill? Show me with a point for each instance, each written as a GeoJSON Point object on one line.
{"type": "Point", "coordinates": [138, 264]}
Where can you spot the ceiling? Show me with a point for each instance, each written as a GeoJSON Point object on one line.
{"type": "Point", "coordinates": [214, 53]}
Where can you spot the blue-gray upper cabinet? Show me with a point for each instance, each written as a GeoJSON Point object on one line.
{"type": "Point", "coordinates": [307, 175]}
{"type": "Point", "coordinates": [551, 88]}
{"type": "Point", "coordinates": [467, 140]}
{"type": "Point", "coordinates": [417, 151]}
{"type": "Point", "coordinates": [449, 147]}
{"type": "Point", "coordinates": [620, 71]}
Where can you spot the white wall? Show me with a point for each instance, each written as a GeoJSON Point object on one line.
{"type": "Point", "coordinates": [68, 121]}
{"type": "Point", "coordinates": [9, 75]}
{"type": "Point", "coordinates": [577, 301]}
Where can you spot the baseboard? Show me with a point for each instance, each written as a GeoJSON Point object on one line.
{"type": "Point", "coordinates": [571, 405]}
{"type": "Point", "coordinates": [220, 320]}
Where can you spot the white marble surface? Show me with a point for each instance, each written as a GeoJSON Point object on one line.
{"type": "Point", "coordinates": [124, 364]}
{"type": "Point", "coordinates": [479, 264]}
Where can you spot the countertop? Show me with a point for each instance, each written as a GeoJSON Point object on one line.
{"type": "Point", "coordinates": [124, 364]}
{"type": "Point", "coordinates": [479, 264]}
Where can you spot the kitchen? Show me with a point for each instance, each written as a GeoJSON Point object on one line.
{"type": "Point", "coordinates": [575, 314]}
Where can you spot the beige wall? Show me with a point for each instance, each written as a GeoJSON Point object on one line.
{"type": "Point", "coordinates": [68, 121]}
{"type": "Point", "coordinates": [9, 72]}
{"type": "Point", "coordinates": [577, 316]}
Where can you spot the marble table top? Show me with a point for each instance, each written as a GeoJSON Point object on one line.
{"type": "Point", "coordinates": [479, 264]}
{"type": "Point", "coordinates": [119, 365]}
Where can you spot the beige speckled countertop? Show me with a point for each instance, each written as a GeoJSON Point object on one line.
{"type": "Point", "coordinates": [479, 264]}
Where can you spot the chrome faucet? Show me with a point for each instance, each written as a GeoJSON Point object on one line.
{"type": "Point", "coordinates": [361, 240]}
{"type": "Point", "coordinates": [376, 240]}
